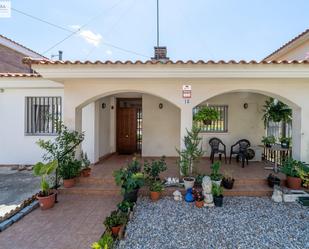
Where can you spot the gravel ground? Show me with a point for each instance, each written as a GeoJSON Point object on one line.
{"type": "Point", "coordinates": [16, 186]}
{"type": "Point", "coordinates": [242, 222]}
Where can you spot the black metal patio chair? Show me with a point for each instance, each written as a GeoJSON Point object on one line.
{"type": "Point", "coordinates": [240, 149]}
{"type": "Point", "coordinates": [217, 147]}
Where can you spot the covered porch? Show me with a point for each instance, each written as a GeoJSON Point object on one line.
{"type": "Point", "coordinates": [249, 181]}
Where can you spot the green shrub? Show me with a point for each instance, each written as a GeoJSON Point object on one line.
{"type": "Point", "coordinates": [156, 186]}
{"type": "Point", "coordinates": [216, 190]}
{"type": "Point", "coordinates": [125, 206]}
{"type": "Point", "coordinates": [153, 169]}
{"type": "Point", "coordinates": [70, 169]}
{"type": "Point", "coordinates": [115, 219]}
{"type": "Point", "coordinates": [127, 180]}
{"type": "Point", "coordinates": [290, 167]}
{"type": "Point", "coordinates": [106, 242]}
{"type": "Point", "coordinates": [134, 166]}
{"type": "Point", "coordinates": [215, 175]}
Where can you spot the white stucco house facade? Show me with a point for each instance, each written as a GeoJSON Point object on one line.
{"type": "Point", "coordinates": [129, 107]}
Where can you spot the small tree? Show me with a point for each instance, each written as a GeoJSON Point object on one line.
{"type": "Point", "coordinates": [191, 153]}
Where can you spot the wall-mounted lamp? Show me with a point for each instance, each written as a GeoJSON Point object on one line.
{"type": "Point", "coordinates": [103, 105]}
{"type": "Point", "coordinates": [160, 106]}
{"type": "Point", "coordinates": [246, 105]}
{"type": "Point", "coordinates": [112, 107]}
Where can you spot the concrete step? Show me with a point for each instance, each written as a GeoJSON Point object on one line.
{"type": "Point", "coordinates": [96, 180]}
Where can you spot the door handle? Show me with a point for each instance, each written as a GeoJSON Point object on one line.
{"type": "Point", "coordinates": [127, 136]}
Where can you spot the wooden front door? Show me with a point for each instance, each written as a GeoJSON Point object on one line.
{"type": "Point", "coordinates": [126, 130]}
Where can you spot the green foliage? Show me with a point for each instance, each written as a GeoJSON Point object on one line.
{"type": "Point", "coordinates": [44, 170]}
{"type": "Point", "coordinates": [206, 113]}
{"type": "Point", "coordinates": [291, 167]}
{"type": "Point", "coordinates": [125, 206]}
{"type": "Point", "coordinates": [60, 149]}
{"type": "Point", "coordinates": [153, 169]}
{"type": "Point", "coordinates": [215, 175]}
{"type": "Point", "coordinates": [106, 242]}
{"type": "Point", "coordinates": [85, 162]}
{"type": "Point", "coordinates": [191, 153]}
{"type": "Point", "coordinates": [70, 169]}
{"type": "Point", "coordinates": [199, 179]}
{"type": "Point", "coordinates": [156, 186]}
{"type": "Point", "coordinates": [286, 140]}
{"type": "Point", "coordinates": [303, 173]}
{"type": "Point", "coordinates": [216, 190]}
{"type": "Point", "coordinates": [134, 166]}
{"type": "Point", "coordinates": [115, 219]}
{"type": "Point", "coordinates": [276, 111]}
{"type": "Point", "coordinates": [128, 180]}
{"type": "Point", "coordinates": [269, 140]}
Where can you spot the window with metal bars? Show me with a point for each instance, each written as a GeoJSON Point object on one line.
{"type": "Point", "coordinates": [41, 115]}
{"type": "Point", "coordinates": [217, 126]}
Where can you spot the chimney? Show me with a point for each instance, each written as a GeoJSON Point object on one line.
{"type": "Point", "coordinates": [160, 54]}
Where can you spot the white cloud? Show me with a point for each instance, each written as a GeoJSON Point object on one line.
{"type": "Point", "coordinates": [109, 52]}
{"type": "Point", "coordinates": [92, 38]}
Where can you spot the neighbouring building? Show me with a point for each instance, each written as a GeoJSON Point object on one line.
{"type": "Point", "coordinates": [129, 107]}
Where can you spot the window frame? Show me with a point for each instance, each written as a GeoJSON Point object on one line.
{"type": "Point", "coordinates": [225, 110]}
{"type": "Point", "coordinates": [32, 104]}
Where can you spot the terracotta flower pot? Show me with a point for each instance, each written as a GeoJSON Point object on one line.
{"type": "Point", "coordinates": [46, 202]}
{"type": "Point", "coordinates": [199, 204]}
{"type": "Point", "coordinates": [69, 183]}
{"type": "Point", "coordinates": [154, 196]}
{"type": "Point", "coordinates": [115, 230]}
{"type": "Point", "coordinates": [293, 182]}
{"type": "Point", "coordinates": [86, 172]}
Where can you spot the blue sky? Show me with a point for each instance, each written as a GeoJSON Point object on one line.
{"type": "Point", "coordinates": [191, 29]}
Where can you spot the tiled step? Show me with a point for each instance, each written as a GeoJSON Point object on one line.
{"type": "Point", "coordinates": [249, 190]}
{"type": "Point", "coordinates": [96, 180]}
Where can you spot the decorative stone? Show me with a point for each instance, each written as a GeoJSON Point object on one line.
{"type": "Point", "coordinates": [177, 195]}
{"type": "Point", "coordinates": [277, 194]}
{"type": "Point", "coordinates": [207, 186]}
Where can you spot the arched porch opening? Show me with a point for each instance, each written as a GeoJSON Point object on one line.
{"type": "Point", "coordinates": [128, 122]}
{"type": "Point", "coordinates": [241, 117]}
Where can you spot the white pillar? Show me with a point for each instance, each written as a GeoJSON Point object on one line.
{"type": "Point", "coordinates": [90, 128]}
{"type": "Point", "coordinates": [296, 133]}
{"type": "Point", "coordinates": [304, 136]}
{"type": "Point", "coordinates": [185, 122]}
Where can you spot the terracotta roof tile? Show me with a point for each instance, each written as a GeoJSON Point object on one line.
{"type": "Point", "coordinates": [287, 44]}
{"type": "Point", "coordinates": [28, 60]}
{"type": "Point", "coordinates": [30, 75]}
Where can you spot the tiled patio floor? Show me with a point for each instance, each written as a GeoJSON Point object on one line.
{"type": "Point", "coordinates": [255, 170]}
{"type": "Point", "coordinates": [74, 223]}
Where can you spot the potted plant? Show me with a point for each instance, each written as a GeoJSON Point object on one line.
{"type": "Point", "coordinates": [85, 163]}
{"type": "Point", "coordinates": [134, 166]}
{"type": "Point", "coordinates": [285, 142]}
{"type": "Point", "coordinates": [215, 176]}
{"type": "Point", "coordinates": [189, 156]}
{"type": "Point", "coordinates": [46, 197]}
{"type": "Point", "coordinates": [273, 180]}
{"type": "Point", "coordinates": [62, 148]}
{"type": "Point", "coordinates": [115, 221]}
{"type": "Point", "coordinates": [276, 111]}
{"type": "Point", "coordinates": [217, 192]}
{"type": "Point", "coordinates": [304, 175]}
{"type": "Point", "coordinates": [106, 242]}
{"type": "Point", "coordinates": [129, 182]}
{"type": "Point", "coordinates": [291, 169]}
{"type": "Point", "coordinates": [153, 169]}
{"type": "Point", "coordinates": [269, 141]}
{"type": "Point", "coordinates": [198, 196]}
{"type": "Point", "coordinates": [206, 115]}
{"type": "Point", "coordinates": [228, 180]}
{"type": "Point", "coordinates": [69, 170]}
{"type": "Point", "coordinates": [156, 189]}
{"type": "Point", "coordinates": [125, 206]}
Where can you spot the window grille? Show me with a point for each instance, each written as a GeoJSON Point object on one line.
{"type": "Point", "coordinates": [41, 115]}
{"type": "Point", "coordinates": [217, 126]}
